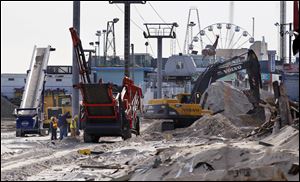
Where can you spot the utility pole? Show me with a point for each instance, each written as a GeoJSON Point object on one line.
{"type": "Point", "coordinates": [290, 43]}
{"type": "Point", "coordinates": [282, 31]}
{"type": "Point", "coordinates": [132, 61]}
{"type": "Point", "coordinates": [127, 31]}
{"type": "Point", "coordinates": [160, 31]}
{"type": "Point", "coordinates": [75, 70]}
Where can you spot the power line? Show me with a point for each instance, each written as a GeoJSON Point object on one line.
{"type": "Point", "coordinates": [164, 22]}
{"type": "Point", "coordinates": [136, 26]}
{"type": "Point", "coordinates": [144, 21]}
{"type": "Point", "coordinates": [130, 18]}
{"type": "Point", "coordinates": [139, 14]}
{"type": "Point", "coordinates": [156, 12]}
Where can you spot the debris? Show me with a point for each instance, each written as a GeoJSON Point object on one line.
{"type": "Point", "coordinates": [125, 177]}
{"type": "Point", "coordinates": [88, 152]}
{"type": "Point", "coordinates": [294, 169]}
{"type": "Point", "coordinates": [102, 167]}
{"type": "Point", "coordinates": [157, 162]}
{"type": "Point", "coordinates": [264, 143]}
{"type": "Point", "coordinates": [207, 166]}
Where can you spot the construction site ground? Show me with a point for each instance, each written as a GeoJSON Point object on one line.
{"type": "Point", "coordinates": [224, 146]}
{"type": "Point", "coordinates": [191, 153]}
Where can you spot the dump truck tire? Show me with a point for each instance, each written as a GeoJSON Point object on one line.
{"type": "Point", "coordinates": [18, 133]}
{"type": "Point", "coordinates": [137, 126]}
{"type": "Point", "coordinates": [126, 131]}
{"type": "Point", "coordinates": [95, 139]}
{"type": "Point", "coordinates": [87, 138]}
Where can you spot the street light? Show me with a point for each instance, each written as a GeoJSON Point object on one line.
{"type": "Point", "coordinates": [98, 33]}
{"type": "Point", "coordinates": [92, 44]}
{"type": "Point", "coordinates": [115, 20]}
{"type": "Point", "coordinates": [104, 32]}
{"type": "Point", "coordinates": [282, 34]}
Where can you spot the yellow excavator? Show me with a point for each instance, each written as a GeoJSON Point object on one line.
{"type": "Point", "coordinates": [186, 108]}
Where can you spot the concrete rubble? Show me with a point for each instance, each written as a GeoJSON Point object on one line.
{"type": "Point", "coordinates": [216, 147]}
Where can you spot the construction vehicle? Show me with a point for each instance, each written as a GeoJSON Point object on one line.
{"type": "Point", "coordinates": [186, 108]}
{"type": "Point", "coordinates": [107, 109]}
{"type": "Point", "coordinates": [56, 102]}
{"type": "Point", "coordinates": [30, 113]}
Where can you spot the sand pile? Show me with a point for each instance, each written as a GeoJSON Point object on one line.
{"type": "Point", "coordinates": [153, 131]}
{"type": "Point", "coordinates": [223, 96]}
{"type": "Point", "coordinates": [217, 125]}
{"type": "Point", "coordinates": [7, 108]}
{"type": "Point", "coordinates": [234, 103]}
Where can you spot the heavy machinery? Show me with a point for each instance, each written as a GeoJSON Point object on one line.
{"type": "Point", "coordinates": [107, 109]}
{"type": "Point", "coordinates": [56, 102]}
{"type": "Point", "coordinates": [185, 109]}
{"type": "Point", "coordinates": [30, 113]}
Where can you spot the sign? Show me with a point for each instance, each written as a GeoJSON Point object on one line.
{"type": "Point", "coordinates": [265, 77]}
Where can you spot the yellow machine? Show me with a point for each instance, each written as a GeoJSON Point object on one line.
{"type": "Point", "coordinates": [56, 103]}
{"type": "Point", "coordinates": [178, 109]}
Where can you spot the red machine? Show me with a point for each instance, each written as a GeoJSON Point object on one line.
{"type": "Point", "coordinates": [107, 109]}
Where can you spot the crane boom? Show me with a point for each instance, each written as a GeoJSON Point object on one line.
{"type": "Point", "coordinates": [82, 64]}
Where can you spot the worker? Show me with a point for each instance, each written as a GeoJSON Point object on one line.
{"type": "Point", "coordinates": [53, 128]}
{"type": "Point", "coordinates": [60, 125]}
{"type": "Point", "coordinates": [63, 125]}
{"type": "Point", "coordinates": [73, 126]}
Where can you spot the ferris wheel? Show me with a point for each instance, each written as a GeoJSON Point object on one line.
{"type": "Point", "coordinates": [230, 37]}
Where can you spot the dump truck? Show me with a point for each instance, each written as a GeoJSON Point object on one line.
{"type": "Point", "coordinates": [186, 108]}
{"type": "Point", "coordinates": [107, 109]}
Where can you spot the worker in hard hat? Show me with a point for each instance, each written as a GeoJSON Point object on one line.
{"type": "Point", "coordinates": [53, 128]}
{"type": "Point", "coordinates": [73, 126]}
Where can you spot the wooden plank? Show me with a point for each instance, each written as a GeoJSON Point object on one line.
{"type": "Point", "coordinates": [102, 167]}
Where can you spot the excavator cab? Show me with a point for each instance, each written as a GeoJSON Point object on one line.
{"type": "Point", "coordinates": [183, 98]}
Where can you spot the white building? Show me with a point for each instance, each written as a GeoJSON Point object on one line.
{"type": "Point", "coordinates": [58, 77]}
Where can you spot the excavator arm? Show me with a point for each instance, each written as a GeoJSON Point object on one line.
{"type": "Point", "coordinates": [235, 64]}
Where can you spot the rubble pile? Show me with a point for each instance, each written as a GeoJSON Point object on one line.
{"type": "Point", "coordinates": [216, 125]}
{"type": "Point", "coordinates": [234, 160]}
{"type": "Point", "coordinates": [7, 108]}
{"type": "Point", "coordinates": [223, 96]}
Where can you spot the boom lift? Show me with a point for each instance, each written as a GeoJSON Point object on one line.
{"type": "Point", "coordinates": [107, 109]}
{"type": "Point", "coordinates": [185, 109]}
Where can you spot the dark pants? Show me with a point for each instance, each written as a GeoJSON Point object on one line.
{"type": "Point", "coordinates": [65, 130]}
{"type": "Point", "coordinates": [53, 134]}
{"type": "Point", "coordinates": [61, 133]}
